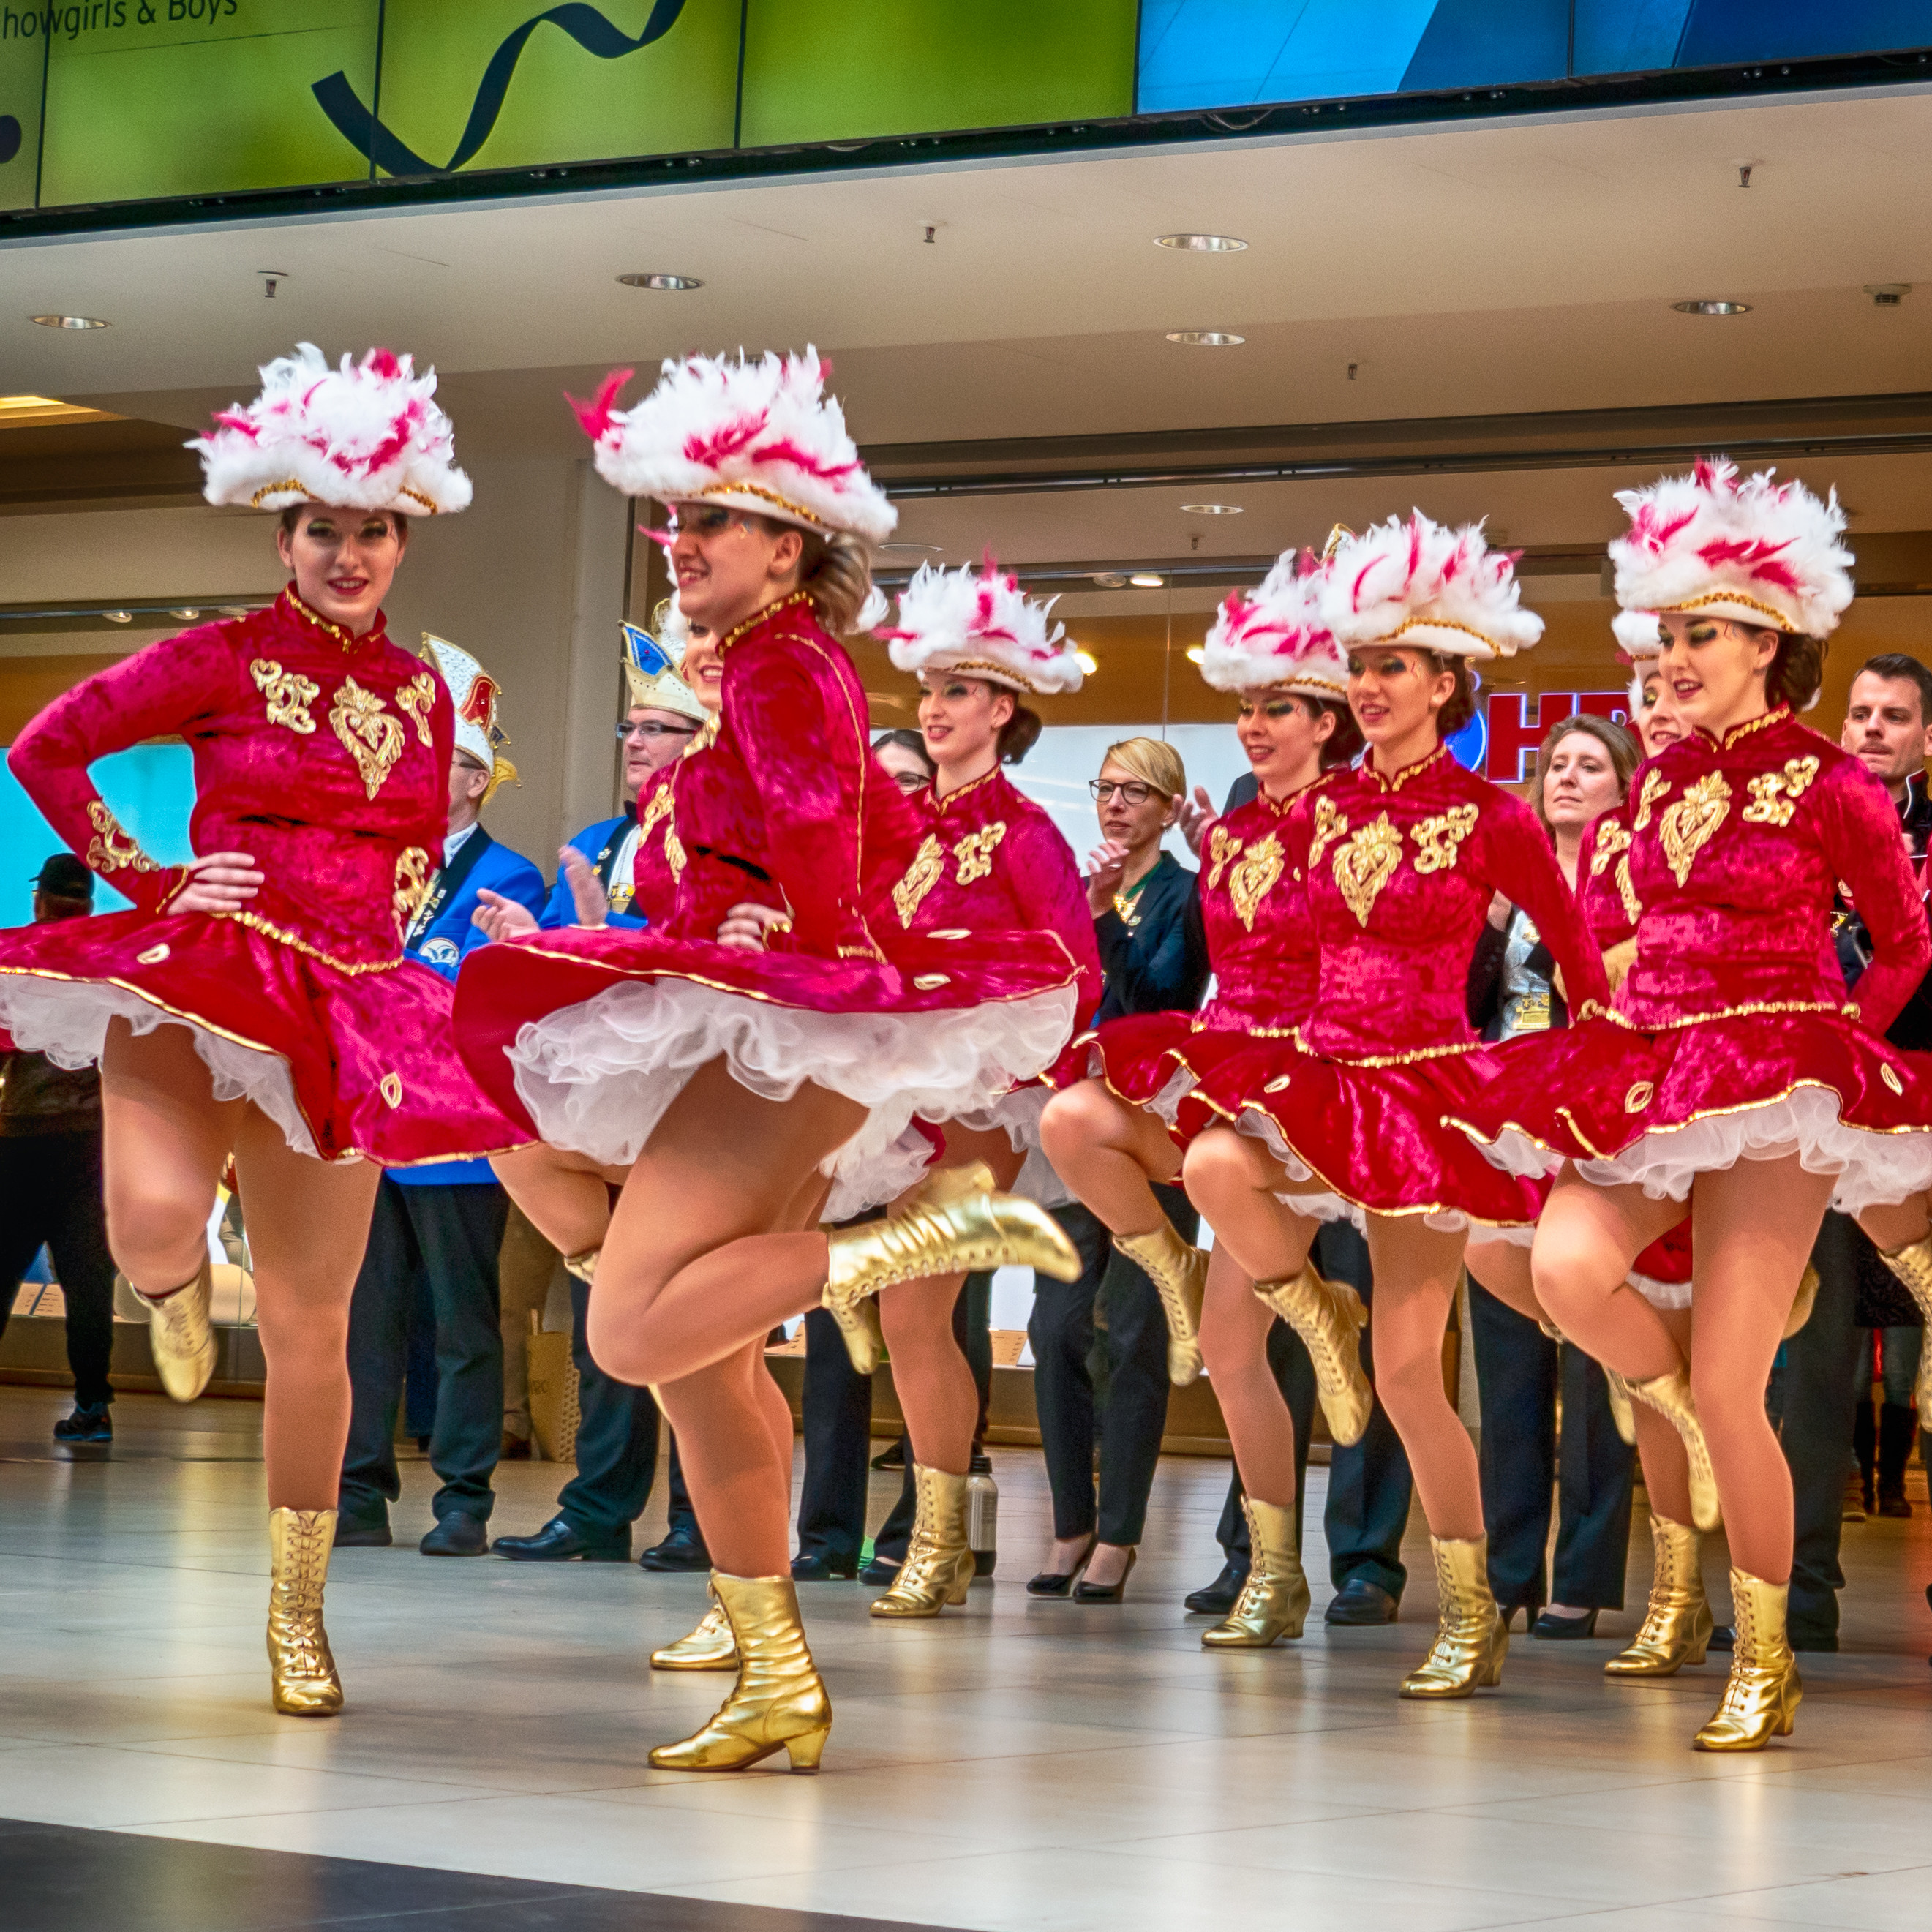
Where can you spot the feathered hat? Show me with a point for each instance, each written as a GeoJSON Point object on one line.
{"type": "Point", "coordinates": [1276, 636]}
{"type": "Point", "coordinates": [1637, 635]}
{"type": "Point", "coordinates": [760, 436]}
{"type": "Point", "coordinates": [1758, 552]}
{"type": "Point", "coordinates": [1424, 585]}
{"type": "Point", "coordinates": [366, 437]}
{"type": "Point", "coordinates": [474, 693]}
{"type": "Point", "coordinates": [652, 666]}
{"type": "Point", "coordinates": [981, 624]}
{"type": "Point", "coordinates": [873, 612]}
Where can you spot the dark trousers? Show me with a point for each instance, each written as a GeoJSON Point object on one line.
{"type": "Point", "coordinates": [837, 1430]}
{"type": "Point", "coordinates": [444, 1240]}
{"type": "Point", "coordinates": [1820, 1362]}
{"type": "Point", "coordinates": [617, 1440]}
{"type": "Point", "coordinates": [1519, 1372]}
{"type": "Point", "coordinates": [1129, 1424]}
{"type": "Point", "coordinates": [50, 1196]}
{"type": "Point", "coordinates": [1369, 1485]}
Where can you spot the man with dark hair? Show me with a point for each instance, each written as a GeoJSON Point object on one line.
{"type": "Point", "coordinates": [50, 1184]}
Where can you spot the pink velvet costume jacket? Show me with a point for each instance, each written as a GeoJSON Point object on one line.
{"type": "Point", "coordinates": [1398, 874]}
{"type": "Point", "coordinates": [325, 756]}
{"type": "Point", "coordinates": [592, 1034]}
{"type": "Point", "coordinates": [1261, 946]}
{"type": "Point", "coordinates": [1732, 1035]}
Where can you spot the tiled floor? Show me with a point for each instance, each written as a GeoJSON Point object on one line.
{"type": "Point", "coordinates": [1019, 1764]}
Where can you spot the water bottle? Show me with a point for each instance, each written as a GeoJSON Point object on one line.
{"type": "Point", "coordinates": [982, 1523]}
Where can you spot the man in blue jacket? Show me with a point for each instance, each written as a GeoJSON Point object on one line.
{"type": "Point", "coordinates": [439, 1229]}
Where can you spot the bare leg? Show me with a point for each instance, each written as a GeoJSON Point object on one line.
{"type": "Point", "coordinates": [1503, 1268]}
{"type": "Point", "coordinates": [1233, 1179]}
{"type": "Point", "coordinates": [1892, 1227]}
{"type": "Point", "coordinates": [565, 1196]}
{"type": "Point", "coordinates": [1107, 1152]}
{"type": "Point", "coordinates": [1235, 1325]}
{"type": "Point", "coordinates": [1586, 1239]}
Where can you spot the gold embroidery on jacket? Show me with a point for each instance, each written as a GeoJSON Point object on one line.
{"type": "Point", "coordinates": [1366, 864]}
{"type": "Point", "coordinates": [1253, 878]}
{"type": "Point", "coordinates": [1222, 846]}
{"type": "Point", "coordinates": [1774, 795]}
{"type": "Point", "coordinates": [288, 694]}
{"type": "Point", "coordinates": [975, 852]}
{"type": "Point", "coordinates": [921, 875]}
{"type": "Point", "coordinates": [413, 872]}
{"type": "Point", "coordinates": [1688, 826]}
{"type": "Point", "coordinates": [673, 853]}
{"type": "Point", "coordinates": [1655, 784]}
{"type": "Point", "coordinates": [418, 698]}
{"type": "Point", "coordinates": [1330, 826]}
{"type": "Point", "coordinates": [113, 847]}
{"type": "Point", "coordinates": [1626, 892]}
{"type": "Point", "coordinates": [658, 808]}
{"type": "Point", "coordinates": [1611, 838]}
{"type": "Point", "coordinates": [370, 735]}
{"type": "Point", "coordinates": [705, 736]}
{"type": "Point", "coordinates": [1439, 839]}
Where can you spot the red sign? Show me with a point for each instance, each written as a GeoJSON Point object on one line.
{"type": "Point", "coordinates": [1512, 735]}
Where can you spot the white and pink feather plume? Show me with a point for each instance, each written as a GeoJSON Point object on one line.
{"type": "Point", "coordinates": [366, 437]}
{"type": "Point", "coordinates": [1759, 552]}
{"type": "Point", "coordinates": [981, 624]}
{"type": "Point", "coordinates": [757, 435]}
{"type": "Point", "coordinates": [1637, 635]}
{"type": "Point", "coordinates": [1276, 635]}
{"type": "Point", "coordinates": [1422, 584]}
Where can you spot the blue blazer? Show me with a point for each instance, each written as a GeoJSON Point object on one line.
{"type": "Point", "coordinates": [598, 843]}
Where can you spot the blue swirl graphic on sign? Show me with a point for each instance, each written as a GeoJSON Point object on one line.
{"type": "Point", "coordinates": [358, 126]}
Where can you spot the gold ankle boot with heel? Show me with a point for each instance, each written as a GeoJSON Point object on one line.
{"type": "Point", "coordinates": [181, 1335]}
{"type": "Point", "coordinates": [1670, 1397]}
{"type": "Point", "coordinates": [1912, 1264]}
{"type": "Point", "coordinates": [1179, 1272]}
{"type": "Point", "coordinates": [939, 1564]}
{"type": "Point", "coordinates": [302, 1673]}
{"type": "Point", "coordinates": [1762, 1694]}
{"type": "Point", "coordinates": [710, 1646]}
{"type": "Point", "coordinates": [779, 1702]}
{"type": "Point", "coordinates": [583, 1266]}
{"type": "Point", "coordinates": [1329, 1317]}
{"type": "Point", "coordinates": [1472, 1634]}
{"type": "Point", "coordinates": [1274, 1602]}
{"type": "Point", "coordinates": [1677, 1622]}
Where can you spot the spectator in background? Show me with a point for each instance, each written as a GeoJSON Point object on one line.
{"type": "Point", "coordinates": [50, 1184]}
{"type": "Point", "coordinates": [439, 1230]}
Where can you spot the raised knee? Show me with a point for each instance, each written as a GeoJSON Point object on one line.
{"type": "Point", "coordinates": [1073, 1119]}
{"type": "Point", "coordinates": [1216, 1167]}
{"type": "Point", "coordinates": [157, 1241]}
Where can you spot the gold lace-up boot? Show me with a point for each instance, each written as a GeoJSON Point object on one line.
{"type": "Point", "coordinates": [1616, 1390]}
{"type": "Point", "coordinates": [779, 1702]}
{"type": "Point", "coordinates": [180, 1336]}
{"type": "Point", "coordinates": [1274, 1602]}
{"type": "Point", "coordinates": [1179, 1272]}
{"type": "Point", "coordinates": [1670, 1397]}
{"type": "Point", "coordinates": [1472, 1634]}
{"type": "Point", "coordinates": [1761, 1694]}
{"type": "Point", "coordinates": [1912, 1264]}
{"type": "Point", "coordinates": [956, 1224]}
{"type": "Point", "coordinates": [300, 1669]}
{"type": "Point", "coordinates": [583, 1266]}
{"type": "Point", "coordinates": [1677, 1622]}
{"type": "Point", "coordinates": [1329, 1317]}
{"type": "Point", "coordinates": [938, 1565]}
{"type": "Point", "coordinates": [711, 1646]}
{"type": "Point", "coordinates": [1802, 1303]}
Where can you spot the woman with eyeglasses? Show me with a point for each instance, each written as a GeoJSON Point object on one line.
{"type": "Point", "coordinates": [736, 1083]}
{"type": "Point", "coordinates": [906, 761]}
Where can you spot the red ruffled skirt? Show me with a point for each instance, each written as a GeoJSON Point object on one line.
{"type": "Point", "coordinates": [1657, 1109]}
{"type": "Point", "coordinates": [349, 1065]}
{"type": "Point", "coordinates": [1154, 1061]}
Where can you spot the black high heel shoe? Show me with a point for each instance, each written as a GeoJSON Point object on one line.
{"type": "Point", "coordinates": [1562, 1627]}
{"type": "Point", "coordinates": [1057, 1583]}
{"type": "Point", "coordinates": [1084, 1592]}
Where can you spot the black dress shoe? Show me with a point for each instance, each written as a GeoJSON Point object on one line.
{"type": "Point", "coordinates": [1059, 1583]}
{"type": "Point", "coordinates": [350, 1534]}
{"type": "Point", "coordinates": [458, 1534]}
{"type": "Point", "coordinates": [1562, 1627]}
{"type": "Point", "coordinates": [890, 1458]}
{"type": "Point", "coordinates": [1359, 1601]}
{"type": "Point", "coordinates": [821, 1570]}
{"type": "Point", "coordinates": [559, 1542]}
{"type": "Point", "coordinates": [1084, 1592]}
{"type": "Point", "coordinates": [94, 1423]}
{"type": "Point", "coordinates": [1723, 1636]}
{"type": "Point", "coordinates": [880, 1572]}
{"type": "Point", "coordinates": [1217, 1598]}
{"type": "Point", "coordinates": [515, 1449]}
{"type": "Point", "coordinates": [683, 1549]}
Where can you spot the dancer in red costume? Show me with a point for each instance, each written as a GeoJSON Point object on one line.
{"type": "Point", "coordinates": [255, 1004]}
{"type": "Point", "coordinates": [1730, 1068]}
{"type": "Point", "coordinates": [738, 1081]}
{"type": "Point", "coordinates": [1121, 1122]}
{"type": "Point", "coordinates": [1398, 859]}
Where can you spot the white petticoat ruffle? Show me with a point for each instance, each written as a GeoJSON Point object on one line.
{"type": "Point", "coordinates": [1662, 1294]}
{"type": "Point", "coordinates": [1018, 1114]}
{"type": "Point", "coordinates": [597, 1076]}
{"type": "Point", "coordinates": [67, 1020]}
{"type": "Point", "coordinates": [857, 1187]}
{"type": "Point", "coordinates": [1874, 1169]}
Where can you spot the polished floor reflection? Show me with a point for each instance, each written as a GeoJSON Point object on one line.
{"type": "Point", "coordinates": [1017, 1765]}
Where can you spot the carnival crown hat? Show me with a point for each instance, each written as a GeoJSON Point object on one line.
{"type": "Point", "coordinates": [652, 667]}
{"type": "Point", "coordinates": [1432, 588]}
{"type": "Point", "coordinates": [760, 436]}
{"type": "Point", "coordinates": [1276, 636]}
{"type": "Point", "coordinates": [1758, 552]}
{"type": "Point", "coordinates": [981, 624]}
{"type": "Point", "coordinates": [474, 694]}
{"type": "Point", "coordinates": [366, 437]}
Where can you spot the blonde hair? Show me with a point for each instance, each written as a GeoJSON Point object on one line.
{"type": "Point", "coordinates": [836, 570]}
{"type": "Point", "coordinates": [1152, 761]}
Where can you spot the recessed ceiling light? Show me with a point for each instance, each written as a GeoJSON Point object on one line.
{"type": "Point", "coordinates": [658, 278]}
{"type": "Point", "coordinates": [186, 616]}
{"type": "Point", "coordinates": [1196, 654]}
{"type": "Point", "coordinates": [1110, 580]}
{"type": "Point", "coordinates": [1087, 661]}
{"type": "Point", "coordinates": [68, 322]}
{"type": "Point", "coordinates": [1712, 307]}
{"type": "Point", "coordinates": [118, 616]}
{"type": "Point", "coordinates": [1202, 245]}
{"type": "Point", "coordinates": [933, 550]}
{"type": "Point", "coordinates": [1212, 509]}
{"type": "Point", "coordinates": [1205, 338]}
{"type": "Point", "coordinates": [1146, 580]}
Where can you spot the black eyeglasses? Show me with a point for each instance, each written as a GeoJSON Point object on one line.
{"type": "Point", "coordinates": [1133, 790]}
{"type": "Point", "coordinates": [910, 781]}
{"type": "Point", "coordinates": [625, 733]}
